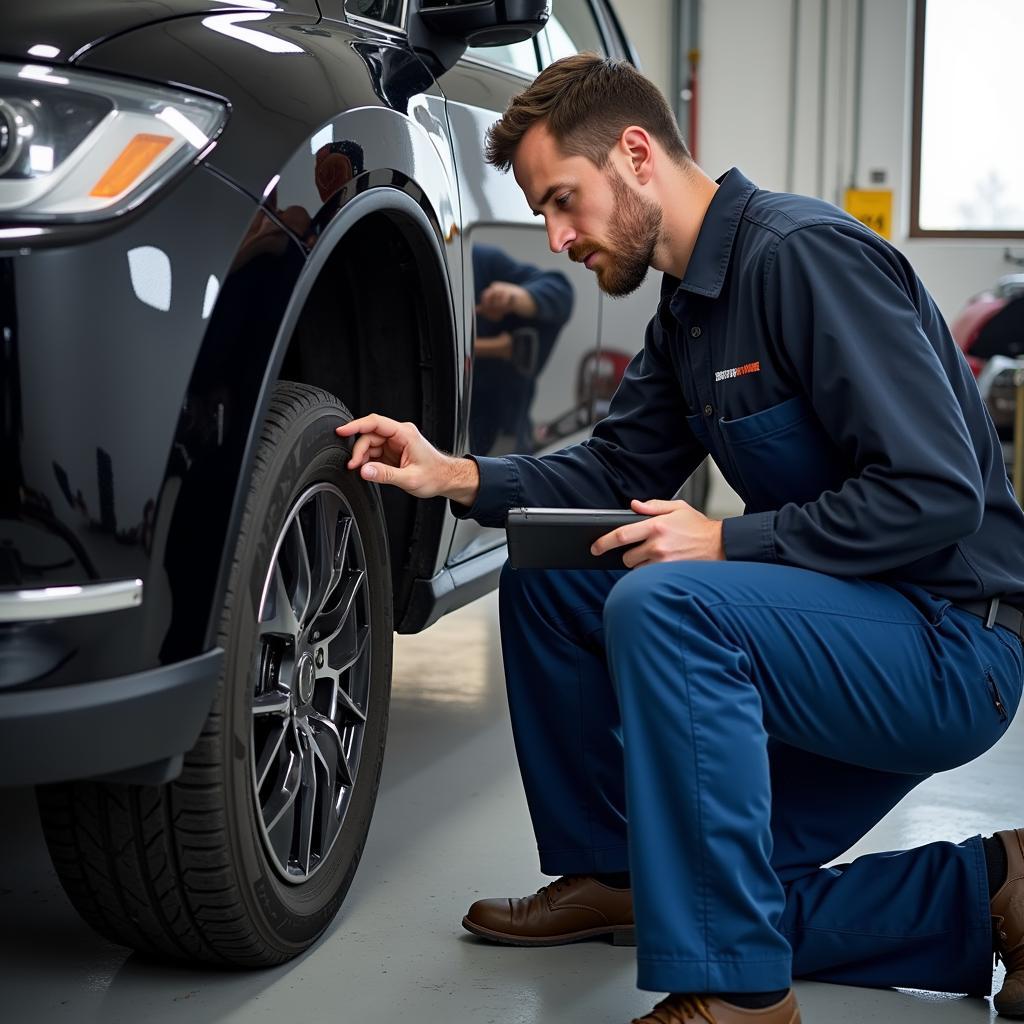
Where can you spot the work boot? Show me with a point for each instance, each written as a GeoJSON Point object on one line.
{"type": "Point", "coordinates": [572, 908]}
{"type": "Point", "coordinates": [1008, 925]}
{"type": "Point", "coordinates": [685, 1009]}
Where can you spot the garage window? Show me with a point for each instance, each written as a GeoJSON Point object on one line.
{"type": "Point", "coordinates": [968, 149]}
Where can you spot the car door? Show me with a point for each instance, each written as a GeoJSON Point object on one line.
{"type": "Point", "coordinates": [529, 377]}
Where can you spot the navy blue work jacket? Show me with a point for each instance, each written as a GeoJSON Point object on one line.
{"type": "Point", "coordinates": [803, 353]}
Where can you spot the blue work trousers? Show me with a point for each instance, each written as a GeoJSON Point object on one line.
{"type": "Point", "coordinates": [751, 722]}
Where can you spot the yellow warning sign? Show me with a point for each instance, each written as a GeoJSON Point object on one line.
{"type": "Point", "coordinates": [871, 206]}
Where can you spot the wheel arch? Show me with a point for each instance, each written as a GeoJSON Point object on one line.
{"type": "Point", "coordinates": [304, 353]}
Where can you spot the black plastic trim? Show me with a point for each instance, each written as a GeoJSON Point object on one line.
{"type": "Point", "coordinates": [452, 588]}
{"type": "Point", "coordinates": [75, 732]}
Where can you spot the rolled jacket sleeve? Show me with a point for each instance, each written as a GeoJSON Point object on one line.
{"type": "Point", "coordinates": [847, 313]}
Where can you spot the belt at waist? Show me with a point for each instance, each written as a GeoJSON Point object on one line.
{"type": "Point", "coordinates": [995, 613]}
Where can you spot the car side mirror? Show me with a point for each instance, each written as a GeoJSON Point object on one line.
{"type": "Point", "coordinates": [486, 22]}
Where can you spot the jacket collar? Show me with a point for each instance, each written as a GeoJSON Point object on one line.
{"type": "Point", "coordinates": [705, 273]}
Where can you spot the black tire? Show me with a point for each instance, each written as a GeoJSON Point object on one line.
{"type": "Point", "coordinates": [186, 870]}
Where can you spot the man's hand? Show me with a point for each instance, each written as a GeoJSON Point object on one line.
{"type": "Point", "coordinates": [497, 347]}
{"type": "Point", "coordinates": [389, 452]}
{"type": "Point", "coordinates": [678, 532]}
{"type": "Point", "coordinates": [502, 299]}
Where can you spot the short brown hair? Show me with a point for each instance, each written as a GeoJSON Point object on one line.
{"type": "Point", "coordinates": [587, 102]}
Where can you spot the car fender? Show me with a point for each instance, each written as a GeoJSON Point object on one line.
{"type": "Point", "coordinates": [369, 107]}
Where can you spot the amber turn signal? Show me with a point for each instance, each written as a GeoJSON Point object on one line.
{"type": "Point", "coordinates": [130, 164]}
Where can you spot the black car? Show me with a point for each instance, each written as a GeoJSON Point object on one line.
{"type": "Point", "coordinates": [224, 228]}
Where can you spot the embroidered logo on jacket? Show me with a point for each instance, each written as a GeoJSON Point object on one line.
{"type": "Point", "coordinates": [737, 371]}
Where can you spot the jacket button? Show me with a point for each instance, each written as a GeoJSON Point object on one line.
{"type": "Point", "coordinates": [708, 410]}
{"type": "Point", "coordinates": [695, 332]}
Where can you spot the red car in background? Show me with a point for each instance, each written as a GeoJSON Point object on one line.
{"type": "Point", "coordinates": [990, 332]}
{"type": "Point", "coordinates": [992, 323]}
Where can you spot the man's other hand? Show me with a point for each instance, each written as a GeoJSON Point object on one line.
{"type": "Point", "coordinates": [389, 452]}
{"type": "Point", "coordinates": [677, 532]}
{"type": "Point", "coordinates": [502, 299]}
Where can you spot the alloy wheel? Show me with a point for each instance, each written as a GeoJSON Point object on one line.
{"type": "Point", "coordinates": [312, 675]}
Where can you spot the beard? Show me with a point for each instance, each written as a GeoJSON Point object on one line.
{"type": "Point", "coordinates": [633, 233]}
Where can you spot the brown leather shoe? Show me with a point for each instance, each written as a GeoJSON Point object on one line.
{"type": "Point", "coordinates": [683, 1009]}
{"type": "Point", "coordinates": [1008, 924]}
{"type": "Point", "coordinates": [573, 908]}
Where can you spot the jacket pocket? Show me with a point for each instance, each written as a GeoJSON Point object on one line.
{"type": "Point", "coordinates": [782, 454]}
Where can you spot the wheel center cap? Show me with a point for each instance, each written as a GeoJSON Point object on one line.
{"type": "Point", "coordinates": [305, 677]}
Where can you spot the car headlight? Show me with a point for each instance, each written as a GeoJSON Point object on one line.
{"type": "Point", "coordinates": [80, 147]}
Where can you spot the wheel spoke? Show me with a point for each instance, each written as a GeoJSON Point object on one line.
{"type": "Point", "coordinates": [353, 657]}
{"type": "Point", "coordinates": [333, 528]}
{"type": "Point", "coordinates": [308, 800]}
{"type": "Point", "coordinates": [282, 833]}
{"type": "Point", "coordinates": [279, 812]}
{"type": "Point", "coordinates": [329, 805]}
{"type": "Point", "coordinates": [347, 705]}
{"type": "Point", "coordinates": [273, 702]}
{"type": "Point", "coordinates": [332, 622]}
{"type": "Point", "coordinates": [277, 616]}
{"type": "Point", "coordinates": [341, 699]}
{"type": "Point", "coordinates": [304, 571]}
{"type": "Point", "coordinates": [268, 755]}
{"type": "Point", "coordinates": [327, 734]}
{"type": "Point", "coordinates": [284, 795]}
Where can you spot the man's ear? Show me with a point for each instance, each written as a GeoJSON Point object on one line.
{"type": "Point", "coordinates": [636, 146]}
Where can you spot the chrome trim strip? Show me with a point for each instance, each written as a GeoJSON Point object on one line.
{"type": "Point", "coordinates": [400, 27]}
{"type": "Point", "coordinates": [65, 602]}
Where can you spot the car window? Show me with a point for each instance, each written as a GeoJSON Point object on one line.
{"type": "Point", "coordinates": [387, 11]}
{"type": "Point", "coordinates": [518, 56]}
{"type": "Point", "coordinates": [572, 29]}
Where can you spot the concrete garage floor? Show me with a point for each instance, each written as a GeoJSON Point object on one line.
{"type": "Point", "coordinates": [451, 825]}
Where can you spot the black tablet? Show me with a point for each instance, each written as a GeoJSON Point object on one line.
{"type": "Point", "coordinates": [560, 538]}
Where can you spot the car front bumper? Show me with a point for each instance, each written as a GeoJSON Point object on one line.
{"type": "Point", "coordinates": [108, 726]}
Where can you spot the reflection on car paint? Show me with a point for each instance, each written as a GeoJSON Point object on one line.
{"type": "Point", "coordinates": [233, 25]}
{"type": "Point", "coordinates": [210, 297]}
{"type": "Point", "coordinates": [43, 51]}
{"type": "Point", "coordinates": [150, 270]}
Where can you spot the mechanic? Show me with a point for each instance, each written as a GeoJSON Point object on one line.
{"type": "Point", "coordinates": [754, 694]}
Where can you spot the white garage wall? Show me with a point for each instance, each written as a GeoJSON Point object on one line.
{"type": "Point", "coordinates": [648, 23]}
{"type": "Point", "coordinates": [747, 50]}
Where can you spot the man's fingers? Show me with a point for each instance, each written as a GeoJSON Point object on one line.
{"type": "Point", "coordinates": [656, 506]}
{"type": "Point", "coordinates": [634, 558]}
{"type": "Point", "coordinates": [358, 452]}
{"type": "Point", "coordinates": [364, 448]}
{"type": "Point", "coordinates": [381, 473]}
{"type": "Point", "coordinates": [631, 534]}
{"type": "Point", "coordinates": [373, 423]}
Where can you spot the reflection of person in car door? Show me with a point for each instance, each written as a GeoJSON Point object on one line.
{"type": "Point", "coordinates": [520, 310]}
{"type": "Point", "coordinates": [756, 692]}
